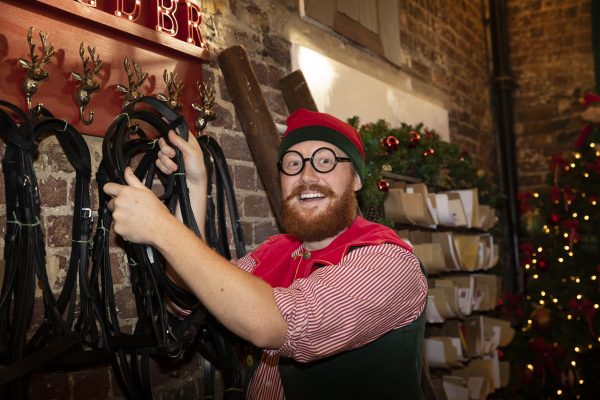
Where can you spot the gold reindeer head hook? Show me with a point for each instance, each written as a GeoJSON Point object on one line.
{"type": "Point", "coordinates": [35, 68]}
{"type": "Point", "coordinates": [87, 82]}
{"type": "Point", "coordinates": [135, 78]}
{"type": "Point", "coordinates": [204, 108]}
{"type": "Point", "coordinates": [174, 89]}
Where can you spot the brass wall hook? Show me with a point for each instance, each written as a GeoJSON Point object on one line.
{"type": "Point", "coordinates": [135, 79]}
{"type": "Point", "coordinates": [35, 68]}
{"type": "Point", "coordinates": [173, 92]}
{"type": "Point", "coordinates": [87, 83]}
{"type": "Point", "coordinates": [204, 108]}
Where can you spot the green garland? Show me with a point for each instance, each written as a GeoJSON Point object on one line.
{"type": "Point", "coordinates": [419, 153]}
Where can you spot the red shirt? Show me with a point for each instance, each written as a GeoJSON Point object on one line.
{"type": "Point", "coordinates": [371, 291]}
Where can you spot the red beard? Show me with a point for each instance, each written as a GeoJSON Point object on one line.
{"type": "Point", "coordinates": [314, 227]}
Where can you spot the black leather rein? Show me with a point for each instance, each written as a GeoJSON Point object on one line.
{"type": "Point", "coordinates": [25, 252]}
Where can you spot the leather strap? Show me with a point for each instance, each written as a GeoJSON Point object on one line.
{"type": "Point", "coordinates": [68, 339]}
{"type": "Point", "coordinates": [25, 252]}
{"type": "Point", "coordinates": [157, 334]}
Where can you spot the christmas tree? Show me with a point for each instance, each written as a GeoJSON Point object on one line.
{"type": "Point", "coordinates": [556, 351]}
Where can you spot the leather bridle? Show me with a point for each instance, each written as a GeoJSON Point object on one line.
{"type": "Point", "coordinates": [157, 333]}
{"type": "Point", "coordinates": [25, 252]}
{"type": "Point", "coordinates": [68, 339]}
{"type": "Point", "coordinates": [216, 344]}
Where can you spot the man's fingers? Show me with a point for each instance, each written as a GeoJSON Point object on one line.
{"type": "Point", "coordinates": [133, 180]}
{"type": "Point", "coordinates": [165, 164]}
{"type": "Point", "coordinates": [165, 149]}
{"type": "Point", "coordinates": [112, 189]}
{"type": "Point", "coordinates": [183, 145]}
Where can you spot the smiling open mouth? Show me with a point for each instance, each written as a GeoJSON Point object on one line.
{"type": "Point", "coordinates": [311, 196]}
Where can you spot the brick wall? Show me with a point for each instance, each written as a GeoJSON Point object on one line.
{"type": "Point", "coordinates": [443, 53]}
{"type": "Point", "coordinates": [552, 61]}
{"type": "Point", "coordinates": [445, 47]}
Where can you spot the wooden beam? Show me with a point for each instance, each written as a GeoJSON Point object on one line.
{"type": "Point", "coordinates": [296, 92]}
{"type": "Point", "coordinates": [256, 120]}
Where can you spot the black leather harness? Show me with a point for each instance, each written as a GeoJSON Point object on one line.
{"type": "Point", "coordinates": [24, 252]}
{"type": "Point", "coordinates": [157, 333]}
{"type": "Point", "coordinates": [85, 330]}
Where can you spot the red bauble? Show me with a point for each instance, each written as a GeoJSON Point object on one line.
{"type": "Point", "coordinates": [415, 138]}
{"type": "Point", "coordinates": [428, 152]}
{"type": "Point", "coordinates": [542, 319]}
{"type": "Point", "coordinates": [383, 185]}
{"type": "Point", "coordinates": [554, 218]}
{"type": "Point", "coordinates": [390, 144]}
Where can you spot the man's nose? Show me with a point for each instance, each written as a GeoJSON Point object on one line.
{"type": "Point", "coordinates": [309, 174]}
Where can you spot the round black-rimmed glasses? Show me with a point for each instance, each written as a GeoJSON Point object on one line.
{"type": "Point", "coordinates": [323, 160]}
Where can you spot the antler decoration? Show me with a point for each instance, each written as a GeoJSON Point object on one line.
{"type": "Point", "coordinates": [135, 78]}
{"type": "Point", "coordinates": [174, 90]}
{"type": "Point", "coordinates": [87, 83]}
{"type": "Point", "coordinates": [207, 99]}
{"type": "Point", "coordinates": [35, 68]}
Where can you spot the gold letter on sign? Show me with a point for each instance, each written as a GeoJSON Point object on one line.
{"type": "Point", "coordinates": [194, 17]}
{"type": "Point", "coordinates": [130, 15]}
{"type": "Point", "coordinates": [166, 12]}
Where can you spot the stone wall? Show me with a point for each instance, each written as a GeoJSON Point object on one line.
{"type": "Point", "coordinates": [552, 61]}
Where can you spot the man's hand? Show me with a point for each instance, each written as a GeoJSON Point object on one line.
{"type": "Point", "coordinates": [192, 158]}
{"type": "Point", "coordinates": [137, 213]}
{"type": "Point", "coordinates": [195, 172]}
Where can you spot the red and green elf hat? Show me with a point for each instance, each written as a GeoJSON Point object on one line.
{"type": "Point", "coordinates": [303, 125]}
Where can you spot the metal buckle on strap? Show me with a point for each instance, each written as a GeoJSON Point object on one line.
{"type": "Point", "coordinates": [86, 213]}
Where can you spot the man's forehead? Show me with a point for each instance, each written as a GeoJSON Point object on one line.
{"type": "Point", "coordinates": [309, 146]}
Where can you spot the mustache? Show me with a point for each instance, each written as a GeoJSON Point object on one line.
{"type": "Point", "coordinates": [312, 187]}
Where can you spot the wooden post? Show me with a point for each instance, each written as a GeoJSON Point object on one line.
{"type": "Point", "coordinates": [296, 92]}
{"type": "Point", "coordinates": [256, 120]}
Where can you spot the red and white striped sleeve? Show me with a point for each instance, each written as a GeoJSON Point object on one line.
{"type": "Point", "coordinates": [246, 263]}
{"type": "Point", "coordinates": [373, 290]}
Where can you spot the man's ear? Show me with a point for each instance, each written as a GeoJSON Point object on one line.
{"type": "Point", "coordinates": [357, 183]}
